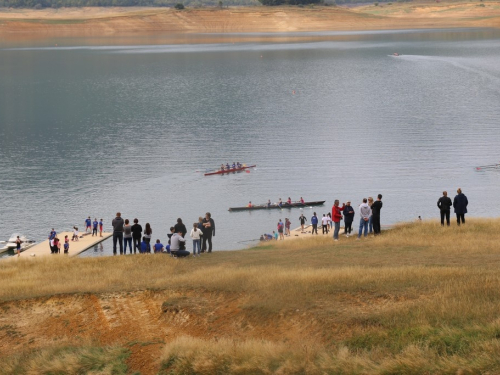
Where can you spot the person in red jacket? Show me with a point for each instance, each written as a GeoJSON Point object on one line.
{"type": "Point", "coordinates": [336, 217]}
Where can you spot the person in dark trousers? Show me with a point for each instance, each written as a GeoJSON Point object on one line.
{"type": "Point", "coordinates": [302, 220]}
{"type": "Point", "coordinates": [208, 232]}
{"type": "Point", "coordinates": [460, 205]}
{"type": "Point", "coordinates": [175, 245]}
{"type": "Point", "coordinates": [52, 235]}
{"type": "Point", "coordinates": [348, 218]}
{"type": "Point", "coordinates": [118, 224]}
{"type": "Point", "coordinates": [314, 223]}
{"type": "Point", "coordinates": [376, 207]}
{"type": "Point", "coordinates": [336, 217]}
{"type": "Point", "coordinates": [444, 204]}
{"type": "Point", "coordinates": [136, 235]}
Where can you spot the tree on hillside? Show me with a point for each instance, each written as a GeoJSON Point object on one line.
{"type": "Point", "coordinates": [290, 2]}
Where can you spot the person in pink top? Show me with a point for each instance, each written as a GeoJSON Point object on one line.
{"type": "Point", "coordinates": [336, 217]}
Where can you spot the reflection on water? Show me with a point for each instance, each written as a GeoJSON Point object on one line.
{"type": "Point", "coordinates": [126, 126]}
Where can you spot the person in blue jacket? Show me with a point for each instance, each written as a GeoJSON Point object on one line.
{"type": "Point", "coordinates": [314, 222]}
{"type": "Point", "coordinates": [145, 246]}
{"type": "Point", "coordinates": [460, 205]}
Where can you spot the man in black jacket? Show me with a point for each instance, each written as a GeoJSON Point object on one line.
{"type": "Point", "coordinates": [376, 207]}
{"type": "Point", "coordinates": [208, 231]}
{"type": "Point", "coordinates": [118, 224]}
{"type": "Point", "coordinates": [444, 204]}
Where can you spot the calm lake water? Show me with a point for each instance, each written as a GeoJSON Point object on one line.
{"type": "Point", "coordinates": [95, 126]}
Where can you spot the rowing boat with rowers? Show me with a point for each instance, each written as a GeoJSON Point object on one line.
{"type": "Point", "coordinates": [274, 205]}
{"type": "Point", "coordinates": [230, 170]}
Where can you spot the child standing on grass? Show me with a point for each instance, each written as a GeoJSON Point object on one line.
{"type": "Point", "coordinates": [275, 235]}
{"type": "Point", "coordinates": [57, 246]}
{"type": "Point", "coordinates": [100, 227]}
{"type": "Point", "coordinates": [66, 244]}
{"type": "Point", "coordinates": [196, 234]}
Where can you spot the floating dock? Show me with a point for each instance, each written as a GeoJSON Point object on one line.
{"type": "Point", "coordinates": [75, 247]}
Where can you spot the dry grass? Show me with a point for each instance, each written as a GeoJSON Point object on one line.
{"type": "Point", "coordinates": [67, 360]}
{"type": "Point", "coordinates": [420, 298]}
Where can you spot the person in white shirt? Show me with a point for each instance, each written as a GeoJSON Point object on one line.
{"type": "Point", "coordinates": [196, 234]}
{"type": "Point", "coordinates": [364, 212]}
{"type": "Point", "coordinates": [324, 223]}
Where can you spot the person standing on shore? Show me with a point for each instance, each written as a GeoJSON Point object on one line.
{"type": "Point", "coordinates": [302, 220]}
{"type": "Point", "coordinates": [370, 220]}
{"type": "Point", "coordinates": [148, 233]}
{"type": "Point", "coordinates": [196, 236]}
{"type": "Point", "coordinates": [208, 232]}
{"type": "Point", "coordinates": [66, 244]}
{"type": "Point", "coordinates": [136, 235]}
{"type": "Point", "coordinates": [336, 217]}
{"type": "Point", "coordinates": [18, 245]}
{"type": "Point", "coordinates": [348, 219]}
{"type": "Point", "coordinates": [365, 212]}
{"type": "Point", "coordinates": [52, 235]}
{"type": "Point", "coordinates": [95, 223]}
{"type": "Point", "coordinates": [127, 237]}
{"type": "Point", "coordinates": [287, 226]}
{"type": "Point", "coordinates": [376, 207]}
{"type": "Point", "coordinates": [444, 204]}
{"type": "Point", "coordinates": [280, 229]}
{"type": "Point", "coordinates": [314, 223]}
{"type": "Point", "coordinates": [180, 227]}
{"type": "Point", "coordinates": [324, 223]}
{"type": "Point", "coordinates": [117, 224]}
{"type": "Point", "coordinates": [460, 204]}
{"type": "Point", "coordinates": [88, 224]}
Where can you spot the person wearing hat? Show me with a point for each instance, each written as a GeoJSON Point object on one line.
{"type": "Point", "coordinates": [348, 218]}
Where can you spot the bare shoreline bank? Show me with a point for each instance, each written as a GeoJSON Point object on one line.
{"type": "Point", "coordinates": [96, 22]}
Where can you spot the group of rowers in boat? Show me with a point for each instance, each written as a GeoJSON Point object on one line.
{"type": "Point", "coordinates": [228, 167]}
{"type": "Point", "coordinates": [280, 202]}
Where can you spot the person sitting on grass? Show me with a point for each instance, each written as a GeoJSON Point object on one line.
{"type": "Point", "coordinates": [158, 247]}
{"type": "Point", "coordinates": [145, 246]}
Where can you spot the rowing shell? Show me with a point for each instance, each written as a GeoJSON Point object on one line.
{"type": "Point", "coordinates": [284, 205]}
{"type": "Point", "coordinates": [227, 171]}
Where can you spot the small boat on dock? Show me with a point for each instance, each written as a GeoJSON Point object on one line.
{"type": "Point", "coordinates": [230, 170]}
{"type": "Point", "coordinates": [275, 205]}
{"type": "Point", "coordinates": [10, 244]}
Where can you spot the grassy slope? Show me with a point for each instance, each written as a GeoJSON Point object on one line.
{"type": "Point", "coordinates": [419, 298]}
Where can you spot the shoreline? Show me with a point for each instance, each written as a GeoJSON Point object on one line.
{"type": "Point", "coordinates": [141, 21]}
